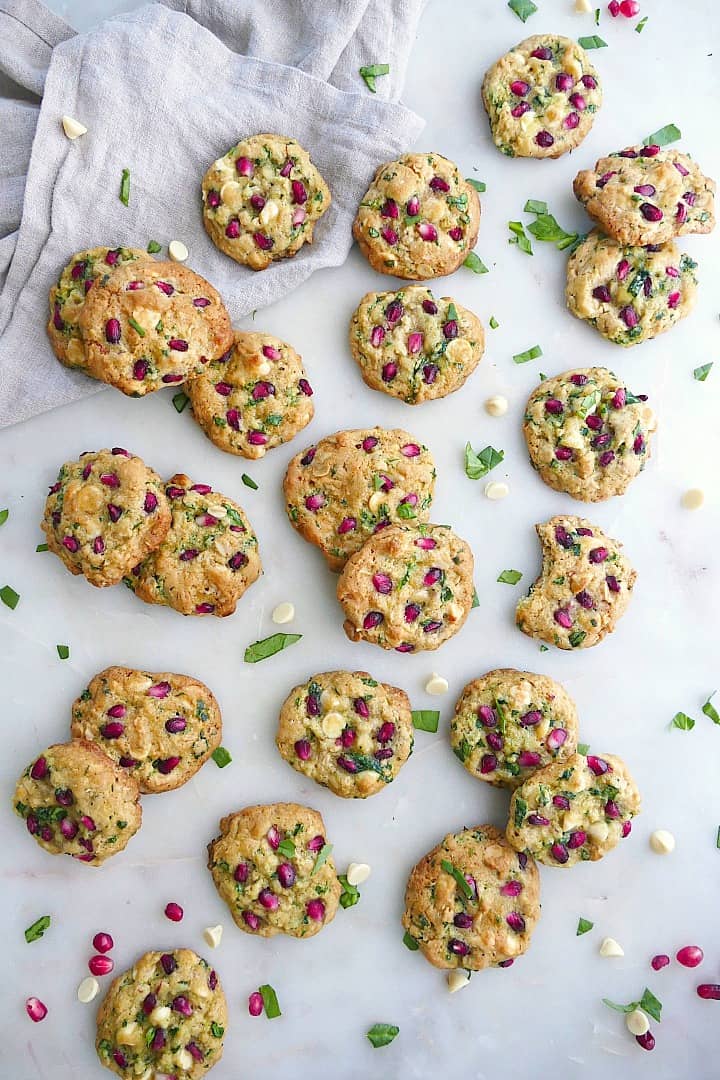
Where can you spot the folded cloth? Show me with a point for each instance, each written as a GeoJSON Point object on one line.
{"type": "Point", "coordinates": [164, 91]}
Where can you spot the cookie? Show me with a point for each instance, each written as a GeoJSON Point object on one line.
{"type": "Point", "coordinates": [152, 325]}
{"type": "Point", "coordinates": [165, 1016]}
{"type": "Point", "coordinates": [261, 201]}
{"type": "Point", "coordinates": [541, 98]}
{"type": "Point", "coordinates": [583, 589]}
{"type": "Point", "coordinates": [414, 347]}
{"type": "Point", "coordinates": [645, 195]}
{"type": "Point", "coordinates": [472, 902]}
{"type": "Point", "coordinates": [159, 727]}
{"type": "Point", "coordinates": [587, 434]}
{"type": "Point", "coordinates": [208, 558]}
{"type": "Point", "coordinates": [76, 801]}
{"type": "Point", "coordinates": [104, 513]}
{"type": "Point", "coordinates": [346, 731]}
{"type": "Point", "coordinates": [508, 724]}
{"type": "Point", "coordinates": [353, 484]}
{"type": "Point", "coordinates": [573, 811]}
{"type": "Point", "coordinates": [629, 294]}
{"type": "Point", "coordinates": [254, 398]}
{"type": "Point", "coordinates": [273, 868]}
{"type": "Point", "coordinates": [67, 297]}
{"type": "Point", "coordinates": [418, 219]}
{"type": "Point", "coordinates": [410, 587]}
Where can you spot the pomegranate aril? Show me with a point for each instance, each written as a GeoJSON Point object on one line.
{"type": "Point", "coordinates": [101, 965]}
{"type": "Point", "coordinates": [709, 991]}
{"type": "Point", "coordinates": [660, 961]}
{"type": "Point", "coordinates": [35, 1009]}
{"type": "Point", "coordinates": [647, 1041]}
{"type": "Point", "coordinates": [174, 912]}
{"type": "Point", "coordinates": [102, 942]}
{"type": "Point", "coordinates": [690, 956]}
{"type": "Point", "coordinates": [255, 1004]}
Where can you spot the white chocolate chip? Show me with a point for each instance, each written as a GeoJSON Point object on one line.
{"type": "Point", "coordinates": [582, 6]}
{"type": "Point", "coordinates": [375, 501]}
{"type": "Point", "coordinates": [436, 684]}
{"type": "Point", "coordinates": [230, 192]}
{"type": "Point", "coordinates": [269, 211]}
{"type": "Point", "coordinates": [329, 701]}
{"type": "Point", "coordinates": [127, 1035]}
{"type": "Point", "coordinates": [662, 842]}
{"type": "Point", "coordinates": [457, 979]}
{"type": "Point", "coordinates": [610, 948]}
{"type": "Point", "coordinates": [217, 511]}
{"type": "Point", "coordinates": [693, 499]}
{"type": "Point", "coordinates": [88, 989]}
{"type": "Point", "coordinates": [357, 872]}
{"type": "Point", "coordinates": [496, 489]}
{"type": "Point", "coordinates": [599, 831]}
{"type": "Point", "coordinates": [333, 725]}
{"type": "Point", "coordinates": [160, 1014]}
{"type": "Point", "coordinates": [73, 128]}
{"type": "Point", "coordinates": [177, 251]}
{"type": "Point", "coordinates": [637, 1022]}
{"type": "Point", "coordinates": [213, 935]}
{"type": "Point", "coordinates": [183, 1059]}
{"type": "Point", "coordinates": [283, 613]}
{"type": "Point", "coordinates": [264, 367]}
{"type": "Point", "coordinates": [497, 405]}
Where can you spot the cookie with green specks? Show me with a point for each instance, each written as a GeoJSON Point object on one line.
{"type": "Point", "coordinates": [208, 558]}
{"type": "Point", "coordinates": [353, 484]}
{"type": "Point", "coordinates": [255, 397]}
{"type": "Point", "coordinates": [587, 434]}
{"type": "Point", "coordinates": [472, 902]}
{"type": "Point", "coordinates": [629, 294]}
{"type": "Point", "coordinates": [414, 347]}
{"type": "Point", "coordinates": [509, 723]}
{"type": "Point", "coordinates": [104, 514]}
{"type": "Point", "coordinates": [67, 297]}
{"type": "Point", "coordinates": [583, 589]}
{"type": "Point", "coordinates": [541, 98]}
{"type": "Point", "coordinates": [262, 200]}
{"type": "Point", "coordinates": [418, 219]}
{"type": "Point", "coordinates": [645, 195]}
{"type": "Point", "coordinates": [573, 811]}
{"type": "Point", "coordinates": [165, 1016]}
{"type": "Point", "coordinates": [77, 801]}
{"type": "Point", "coordinates": [152, 324]}
{"type": "Point", "coordinates": [408, 588]}
{"type": "Point", "coordinates": [346, 731]}
{"type": "Point", "coordinates": [159, 727]}
{"type": "Point", "coordinates": [273, 868]}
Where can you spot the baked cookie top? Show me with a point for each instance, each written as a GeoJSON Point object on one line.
{"type": "Point", "coordinates": [584, 586]}
{"type": "Point", "coordinates": [418, 219]}
{"type": "Point", "coordinates": [415, 347]}
{"type": "Point", "coordinates": [541, 97]}
{"type": "Point", "coordinates": [574, 810]}
{"type": "Point", "coordinates": [629, 294]}
{"type": "Point", "coordinates": [645, 195]}
{"type": "Point", "coordinates": [255, 397]}
{"type": "Point", "coordinates": [67, 297]}
{"type": "Point", "coordinates": [472, 902]}
{"type": "Point", "coordinates": [409, 587]}
{"type": "Point", "coordinates": [508, 724]}
{"type": "Point", "coordinates": [104, 513]}
{"type": "Point", "coordinates": [151, 325]}
{"type": "Point", "coordinates": [587, 434]}
{"type": "Point", "coordinates": [346, 731]}
{"type": "Point", "coordinates": [353, 484]}
{"type": "Point", "coordinates": [208, 558]}
{"type": "Point", "coordinates": [273, 868]}
{"type": "Point", "coordinates": [165, 1016]}
{"type": "Point", "coordinates": [77, 801]}
{"type": "Point", "coordinates": [159, 727]}
{"type": "Point", "coordinates": [262, 199]}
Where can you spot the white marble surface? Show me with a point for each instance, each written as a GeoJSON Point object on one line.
{"type": "Point", "coordinates": [544, 1015]}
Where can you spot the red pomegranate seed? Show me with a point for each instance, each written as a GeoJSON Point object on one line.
{"type": "Point", "coordinates": [102, 942]}
{"type": "Point", "coordinates": [255, 1004]}
{"type": "Point", "coordinates": [690, 956]}
{"type": "Point", "coordinates": [35, 1009]}
{"type": "Point", "coordinates": [629, 8]}
{"type": "Point", "coordinates": [647, 1041]}
{"type": "Point", "coordinates": [709, 991]}
{"type": "Point", "coordinates": [101, 965]}
{"type": "Point", "coordinates": [174, 912]}
{"type": "Point", "coordinates": [660, 961]}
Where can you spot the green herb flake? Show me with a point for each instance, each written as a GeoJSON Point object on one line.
{"type": "Point", "coordinates": [709, 709]}
{"type": "Point", "coordinates": [529, 354]}
{"type": "Point", "coordinates": [63, 651]}
{"type": "Point", "coordinates": [217, 1030]}
{"type": "Point", "coordinates": [583, 926]}
{"type": "Point", "coordinates": [639, 27]}
{"type": "Point", "coordinates": [479, 185]}
{"type": "Point", "coordinates": [410, 943]}
{"type": "Point", "coordinates": [41, 547]}
{"type": "Point", "coordinates": [546, 228]}
{"type": "Point", "coordinates": [597, 16]}
{"type": "Point", "coordinates": [544, 648]}
{"type": "Point", "coordinates": [682, 721]}
{"type": "Point", "coordinates": [221, 757]}
{"type": "Point", "coordinates": [493, 323]}
{"type": "Point", "coordinates": [249, 482]}
{"type": "Point", "coordinates": [510, 577]}
{"type": "Point", "coordinates": [382, 1034]}
{"type": "Point", "coordinates": [717, 839]}
{"type": "Point", "coordinates": [136, 326]}
{"type": "Point", "coordinates": [4, 514]}
{"type": "Point", "coordinates": [475, 599]}
{"type": "Point", "coordinates": [38, 928]}
{"type": "Point", "coordinates": [270, 1001]}
{"type": "Point", "coordinates": [180, 401]}
{"type": "Point", "coordinates": [350, 895]}
{"type": "Point", "coordinates": [630, 1007]}
{"type": "Point", "coordinates": [323, 855]}
{"type": "Point", "coordinates": [522, 8]}
{"type": "Point", "coordinates": [583, 748]}
{"type": "Point", "coordinates": [426, 719]}
{"type": "Point", "coordinates": [371, 72]}
{"type": "Point", "coordinates": [701, 373]}
{"type": "Point", "coordinates": [535, 206]}
{"type": "Point", "coordinates": [480, 464]}
{"type": "Point", "coordinates": [9, 597]}
{"type": "Point", "coordinates": [153, 247]}
{"type": "Point", "coordinates": [287, 848]}
{"type": "Point", "coordinates": [125, 187]}
{"type": "Point", "coordinates": [663, 136]}
{"type": "Point", "coordinates": [519, 237]}
{"type": "Point", "coordinates": [261, 650]}
{"type": "Point", "coordinates": [459, 877]}
{"type": "Point", "coordinates": [650, 1004]}
{"type": "Point", "coordinates": [475, 263]}
{"type": "Point", "coordinates": [592, 42]}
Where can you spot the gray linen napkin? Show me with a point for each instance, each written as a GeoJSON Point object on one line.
{"type": "Point", "coordinates": [164, 91]}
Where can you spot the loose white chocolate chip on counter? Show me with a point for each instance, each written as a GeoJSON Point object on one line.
{"type": "Point", "coordinates": [213, 935]}
{"type": "Point", "coordinates": [436, 684]}
{"type": "Point", "coordinates": [73, 128]}
{"type": "Point", "coordinates": [88, 989]}
{"type": "Point", "coordinates": [662, 842]}
{"type": "Point", "coordinates": [283, 613]}
{"type": "Point", "coordinates": [496, 489]}
{"type": "Point", "coordinates": [693, 499]}
{"type": "Point", "coordinates": [177, 251]}
{"type": "Point", "coordinates": [497, 405]}
{"type": "Point", "coordinates": [457, 979]}
{"type": "Point", "coordinates": [582, 7]}
{"type": "Point", "coordinates": [357, 872]}
{"type": "Point", "coordinates": [637, 1022]}
{"type": "Point", "coordinates": [609, 947]}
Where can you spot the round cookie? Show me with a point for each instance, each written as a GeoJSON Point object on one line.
{"type": "Point", "coordinates": [418, 219]}
{"type": "Point", "coordinates": [409, 588]}
{"type": "Point", "coordinates": [583, 589]}
{"type": "Point", "coordinates": [165, 1016]}
{"type": "Point", "coordinates": [508, 724]}
{"type": "Point", "coordinates": [254, 398]}
{"type": "Point", "coordinates": [104, 513]}
{"type": "Point", "coordinates": [472, 902]}
{"type": "Point", "coordinates": [262, 199]}
{"type": "Point", "coordinates": [208, 558]}
{"type": "Point", "coordinates": [152, 325]}
{"type": "Point", "coordinates": [573, 811]}
{"type": "Point", "coordinates": [645, 195]}
{"type": "Point", "coordinates": [67, 297]}
{"type": "Point", "coordinates": [353, 484]}
{"type": "Point", "coordinates": [541, 97]}
{"type": "Point", "coordinates": [629, 294]}
{"type": "Point", "coordinates": [76, 801]}
{"type": "Point", "coordinates": [159, 727]}
{"type": "Point", "coordinates": [346, 731]}
{"type": "Point", "coordinates": [272, 867]}
{"type": "Point", "coordinates": [414, 347]}
{"type": "Point", "coordinates": [587, 434]}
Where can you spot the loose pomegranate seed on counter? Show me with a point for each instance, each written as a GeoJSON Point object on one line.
{"type": "Point", "coordinates": [255, 1004]}
{"type": "Point", "coordinates": [659, 961]}
{"type": "Point", "coordinates": [690, 956]}
{"type": "Point", "coordinates": [102, 942]}
{"type": "Point", "coordinates": [174, 912]}
{"type": "Point", "coordinates": [647, 1041]}
{"type": "Point", "coordinates": [709, 991]}
{"type": "Point", "coordinates": [101, 965]}
{"type": "Point", "coordinates": [35, 1009]}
